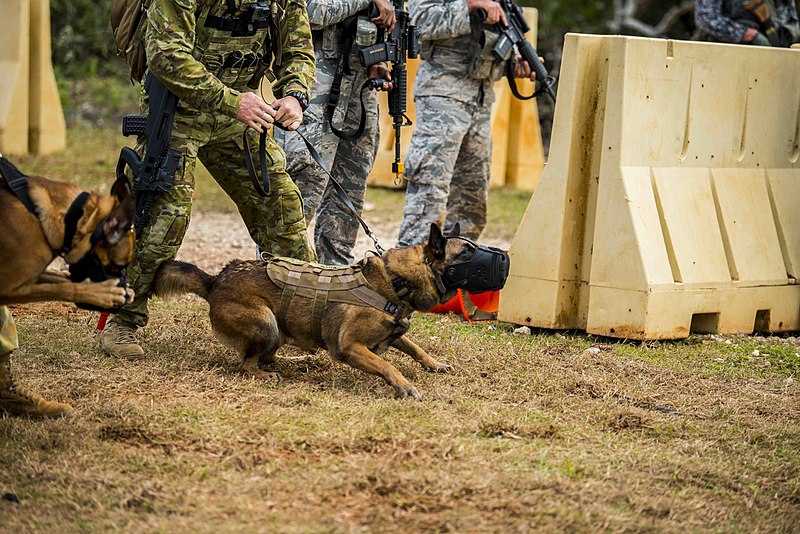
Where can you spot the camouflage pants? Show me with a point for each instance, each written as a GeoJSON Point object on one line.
{"type": "Point", "coordinates": [349, 160]}
{"type": "Point", "coordinates": [447, 168]}
{"type": "Point", "coordinates": [8, 332]}
{"type": "Point", "coordinates": [275, 223]}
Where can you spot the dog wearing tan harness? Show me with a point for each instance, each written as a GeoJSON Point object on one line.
{"type": "Point", "coordinates": [355, 312]}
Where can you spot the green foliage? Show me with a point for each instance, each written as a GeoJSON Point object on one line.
{"type": "Point", "coordinates": [82, 41]}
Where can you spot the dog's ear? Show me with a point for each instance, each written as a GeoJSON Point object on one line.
{"type": "Point", "coordinates": [120, 222]}
{"type": "Point", "coordinates": [437, 242]}
{"type": "Point", "coordinates": [456, 231]}
{"type": "Point", "coordinates": [121, 188]}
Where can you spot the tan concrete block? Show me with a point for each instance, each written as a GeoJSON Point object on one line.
{"type": "Point", "coordinates": [14, 73]}
{"type": "Point", "coordinates": [694, 224]}
{"type": "Point", "coordinates": [554, 239]}
{"type": "Point", "coordinates": [48, 129]}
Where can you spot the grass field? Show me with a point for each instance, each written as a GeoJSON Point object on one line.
{"type": "Point", "coordinates": [530, 433]}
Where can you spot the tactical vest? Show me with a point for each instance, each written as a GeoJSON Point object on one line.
{"type": "Point", "coordinates": [321, 284]}
{"type": "Point", "coordinates": [236, 39]}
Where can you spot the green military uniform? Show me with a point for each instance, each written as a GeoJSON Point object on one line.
{"type": "Point", "coordinates": [207, 68]}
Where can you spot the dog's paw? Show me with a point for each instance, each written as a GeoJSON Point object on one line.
{"type": "Point", "coordinates": [439, 367]}
{"type": "Point", "coordinates": [407, 392]}
{"type": "Point", "coordinates": [266, 376]}
{"type": "Point", "coordinates": [108, 294]}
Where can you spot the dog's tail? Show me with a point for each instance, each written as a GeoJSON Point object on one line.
{"type": "Point", "coordinates": [177, 278]}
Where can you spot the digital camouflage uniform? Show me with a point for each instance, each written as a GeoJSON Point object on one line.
{"type": "Point", "coordinates": [349, 160]}
{"type": "Point", "coordinates": [448, 162]}
{"type": "Point", "coordinates": [190, 59]}
{"type": "Point", "coordinates": [727, 20]}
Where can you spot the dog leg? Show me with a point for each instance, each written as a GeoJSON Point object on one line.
{"type": "Point", "coordinates": [415, 351]}
{"type": "Point", "coordinates": [250, 331]}
{"type": "Point", "coordinates": [360, 357]}
{"type": "Point", "coordinates": [102, 294]}
{"type": "Point", "coordinates": [52, 277]}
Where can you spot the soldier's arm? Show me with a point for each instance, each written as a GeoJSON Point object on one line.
{"type": "Point", "coordinates": [297, 68]}
{"type": "Point", "coordinates": [709, 17]}
{"type": "Point", "coordinates": [435, 19]}
{"type": "Point", "coordinates": [169, 40]}
{"type": "Point", "coordinates": [324, 13]}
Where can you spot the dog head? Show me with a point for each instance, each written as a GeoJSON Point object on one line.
{"type": "Point", "coordinates": [104, 242]}
{"type": "Point", "coordinates": [436, 270]}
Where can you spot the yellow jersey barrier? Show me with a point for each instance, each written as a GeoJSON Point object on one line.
{"type": "Point", "coordinates": [670, 201]}
{"type": "Point", "coordinates": [31, 117]}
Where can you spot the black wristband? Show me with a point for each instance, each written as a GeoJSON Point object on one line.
{"type": "Point", "coordinates": [302, 98]}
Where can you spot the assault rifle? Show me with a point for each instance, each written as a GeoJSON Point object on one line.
{"type": "Point", "coordinates": [396, 47]}
{"type": "Point", "coordinates": [514, 35]}
{"type": "Point", "coordinates": [156, 173]}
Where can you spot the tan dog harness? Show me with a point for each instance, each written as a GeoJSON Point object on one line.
{"type": "Point", "coordinates": [324, 283]}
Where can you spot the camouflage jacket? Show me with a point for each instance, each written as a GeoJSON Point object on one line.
{"type": "Point", "coordinates": [728, 20]}
{"type": "Point", "coordinates": [325, 16]}
{"type": "Point", "coordinates": [200, 64]}
{"type": "Point", "coordinates": [445, 32]}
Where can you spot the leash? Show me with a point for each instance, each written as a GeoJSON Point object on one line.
{"type": "Point", "coordinates": [340, 191]}
{"type": "Point", "coordinates": [264, 189]}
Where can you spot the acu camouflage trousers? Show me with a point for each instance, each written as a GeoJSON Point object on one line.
{"type": "Point", "coordinates": [275, 223]}
{"type": "Point", "coordinates": [447, 168]}
{"type": "Point", "coordinates": [349, 161]}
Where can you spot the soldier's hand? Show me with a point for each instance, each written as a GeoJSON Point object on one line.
{"type": "Point", "coordinates": [254, 112]}
{"type": "Point", "coordinates": [288, 114]}
{"type": "Point", "coordinates": [378, 71]}
{"type": "Point", "coordinates": [523, 70]}
{"type": "Point", "coordinates": [494, 13]}
{"type": "Point", "coordinates": [385, 18]}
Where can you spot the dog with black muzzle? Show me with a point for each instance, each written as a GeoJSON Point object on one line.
{"type": "Point", "coordinates": [354, 312]}
{"type": "Point", "coordinates": [42, 219]}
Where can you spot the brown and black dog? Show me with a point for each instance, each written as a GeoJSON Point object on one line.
{"type": "Point", "coordinates": [251, 314]}
{"type": "Point", "coordinates": [29, 243]}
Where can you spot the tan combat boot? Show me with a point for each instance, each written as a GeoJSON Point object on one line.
{"type": "Point", "coordinates": [118, 341]}
{"type": "Point", "coordinates": [17, 400]}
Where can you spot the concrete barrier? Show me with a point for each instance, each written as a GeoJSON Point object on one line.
{"type": "Point", "coordinates": [14, 73]}
{"type": "Point", "coordinates": [669, 203]}
{"type": "Point", "coordinates": [47, 127]}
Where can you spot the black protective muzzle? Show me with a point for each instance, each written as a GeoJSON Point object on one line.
{"type": "Point", "coordinates": [89, 267]}
{"type": "Point", "coordinates": [486, 270]}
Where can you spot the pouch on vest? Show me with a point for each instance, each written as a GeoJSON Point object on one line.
{"type": "Point", "coordinates": [483, 64]}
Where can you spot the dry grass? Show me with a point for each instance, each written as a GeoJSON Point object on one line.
{"type": "Point", "coordinates": [531, 432]}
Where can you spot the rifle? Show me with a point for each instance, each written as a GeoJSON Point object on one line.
{"type": "Point", "coordinates": [514, 35]}
{"type": "Point", "coordinates": [156, 173]}
{"type": "Point", "coordinates": [401, 44]}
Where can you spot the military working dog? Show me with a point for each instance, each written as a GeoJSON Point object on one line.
{"type": "Point", "coordinates": [93, 232]}
{"type": "Point", "coordinates": [355, 312]}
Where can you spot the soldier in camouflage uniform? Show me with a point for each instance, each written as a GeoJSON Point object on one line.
{"type": "Point", "coordinates": [448, 162]}
{"type": "Point", "coordinates": [728, 21]}
{"type": "Point", "coordinates": [16, 400]}
{"type": "Point", "coordinates": [207, 66]}
{"type": "Point", "coordinates": [349, 160]}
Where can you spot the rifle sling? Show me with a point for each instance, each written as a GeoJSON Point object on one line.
{"type": "Point", "coordinates": [513, 84]}
{"type": "Point", "coordinates": [336, 90]}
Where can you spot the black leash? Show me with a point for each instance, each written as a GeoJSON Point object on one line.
{"type": "Point", "coordinates": [341, 192]}
{"type": "Point", "coordinates": [264, 189]}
